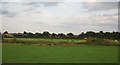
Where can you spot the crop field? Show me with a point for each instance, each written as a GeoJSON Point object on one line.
{"type": "Point", "coordinates": [20, 53]}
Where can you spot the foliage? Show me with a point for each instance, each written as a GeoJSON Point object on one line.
{"type": "Point", "coordinates": [46, 34]}
{"type": "Point", "coordinates": [43, 41]}
{"type": "Point", "coordinates": [9, 40]}
{"type": "Point", "coordinates": [8, 36]}
{"type": "Point", "coordinates": [99, 41]}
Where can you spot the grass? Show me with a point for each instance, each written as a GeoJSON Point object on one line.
{"type": "Point", "coordinates": [46, 40]}
{"type": "Point", "coordinates": [19, 53]}
{"type": "Point", "coordinates": [0, 53]}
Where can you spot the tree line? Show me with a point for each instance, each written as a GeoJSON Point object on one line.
{"type": "Point", "coordinates": [46, 34]}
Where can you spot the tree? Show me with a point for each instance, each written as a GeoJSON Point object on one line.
{"type": "Point", "coordinates": [46, 34]}
{"type": "Point", "coordinates": [101, 34]}
{"type": "Point", "coordinates": [81, 36]}
{"type": "Point", "coordinates": [6, 32]}
{"type": "Point", "coordinates": [70, 35]}
{"type": "Point", "coordinates": [53, 35]}
{"type": "Point", "coordinates": [30, 35]}
{"type": "Point", "coordinates": [115, 35]}
{"type": "Point", "coordinates": [107, 35]}
{"type": "Point", "coordinates": [38, 35]}
{"type": "Point", "coordinates": [90, 34]}
{"type": "Point", "coordinates": [25, 34]}
{"type": "Point", "coordinates": [61, 35]}
{"type": "Point", "coordinates": [8, 36]}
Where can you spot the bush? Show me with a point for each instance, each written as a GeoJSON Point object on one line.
{"type": "Point", "coordinates": [90, 40]}
{"type": "Point", "coordinates": [108, 42]}
{"type": "Point", "coordinates": [9, 40]}
{"type": "Point", "coordinates": [99, 41]}
{"type": "Point", "coordinates": [116, 42]}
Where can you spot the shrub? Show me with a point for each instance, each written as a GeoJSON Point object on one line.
{"type": "Point", "coordinates": [108, 42]}
{"type": "Point", "coordinates": [90, 40]}
{"type": "Point", "coordinates": [116, 42]}
{"type": "Point", "coordinates": [9, 40]}
{"type": "Point", "coordinates": [99, 41]}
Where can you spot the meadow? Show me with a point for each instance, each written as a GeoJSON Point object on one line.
{"type": "Point", "coordinates": [36, 50]}
{"type": "Point", "coordinates": [0, 52]}
{"type": "Point", "coordinates": [20, 53]}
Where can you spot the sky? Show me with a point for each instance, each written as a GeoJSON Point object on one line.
{"type": "Point", "coordinates": [59, 17]}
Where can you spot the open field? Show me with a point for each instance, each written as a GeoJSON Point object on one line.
{"type": "Point", "coordinates": [0, 53]}
{"type": "Point", "coordinates": [20, 53]}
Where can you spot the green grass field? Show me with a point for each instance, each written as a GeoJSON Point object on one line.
{"type": "Point", "coordinates": [20, 53]}
{"type": "Point", "coordinates": [0, 53]}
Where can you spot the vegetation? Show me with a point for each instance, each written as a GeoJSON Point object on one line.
{"type": "Point", "coordinates": [89, 47]}
{"type": "Point", "coordinates": [61, 42]}
{"type": "Point", "coordinates": [46, 34]}
{"type": "Point", "coordinates": [20, 53]}
{"type": "Point", "coordinates": [0, 53]}
{"type": "Point", "coordinates": [100, 41]}
{"type": "Point", "coordinates": [45, 38]}
{"type": "Point", "coordinates": [50, 42]}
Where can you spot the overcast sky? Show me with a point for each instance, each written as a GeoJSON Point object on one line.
{"type": "Point", "coordinates": [59, 17]}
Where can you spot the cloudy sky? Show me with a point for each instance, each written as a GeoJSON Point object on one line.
{"type": "Point", "coordinates": [59, 17]}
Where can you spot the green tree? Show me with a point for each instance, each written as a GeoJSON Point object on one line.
{"type": "Point", "coordinates": [70, 35]}
{"type": "Point", "coordinates": [61, 35]}
{"type": "Point", "coordinates": [46, 34]}
{"type": "Point", "coordinates": [53, 35]}
{"type": "Point", "coordinates": [38, 35]}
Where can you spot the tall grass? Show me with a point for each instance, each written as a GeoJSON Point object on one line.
{"type": "Point", "coordinates": [43, 41]}
{"type": "Point", "coordinates": [89, 41]}
{"type": "Point", "coordinates": [99, 41]}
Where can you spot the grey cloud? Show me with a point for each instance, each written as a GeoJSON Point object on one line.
{"type": "Point", "coordinates": [4, 12]}
{"type": "Point", "coordinates": [11, 14]}
{"type": "Point", "coordinates": [39, 22]}
{"type": "Point", "coordinates": [73, 26]}
{"type": "Point", "coordinates": [91, 27]}
{"type": "Point", "coordinates": [50, 3]}
{"type": "Point", "coordinates": [115, 14]}
{"type": "Point", "coordinates": [37, 4]}
{"type": "Point", "coordinates": [112, 24]}
{"type": "Point", "coordinates": [33, 10]}
{"type": "Point", "coordinates": [29, 3]}
{"type": "Point", "coordinates": [98, 6]}
{"type": "Point", "coordinates": [8, 13]}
